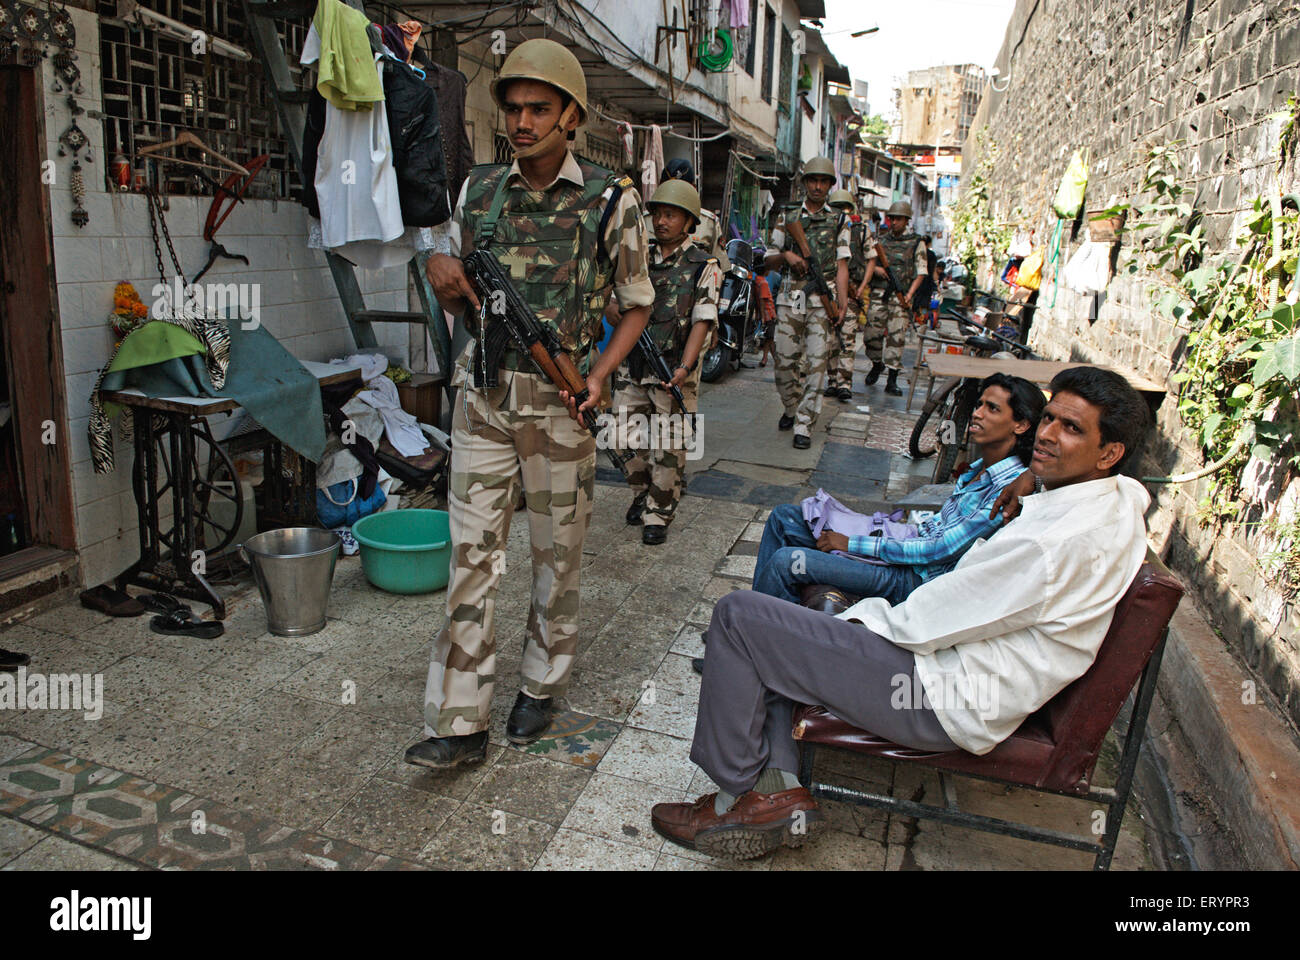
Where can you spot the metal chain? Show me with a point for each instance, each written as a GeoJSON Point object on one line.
{"type": "Point", "coordinates": [157, 218]}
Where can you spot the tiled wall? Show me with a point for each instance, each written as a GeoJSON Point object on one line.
{"type": "Point", "coordinates": [298, 300]}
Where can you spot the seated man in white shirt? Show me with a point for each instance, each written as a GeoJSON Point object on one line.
{"type": "Point", "coordinates": [1019, 618]}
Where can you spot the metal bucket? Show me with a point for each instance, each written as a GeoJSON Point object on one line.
{"type": "Point", "coordinates": [294, 568]}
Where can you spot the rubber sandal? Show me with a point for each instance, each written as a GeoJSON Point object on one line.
{"type": "Point", "coordinates": [179, 624]}
{"type": "Point", "coordinates": [163, 603]}
{"type": "Point", "coordinates": [115, 603]}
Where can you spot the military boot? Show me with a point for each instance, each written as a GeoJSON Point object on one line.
{"type": "Point", "coordinates": [874, 374]}
{"type": "Point", "coordinates": [892, 387]}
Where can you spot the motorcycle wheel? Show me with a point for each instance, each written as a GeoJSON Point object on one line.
{"type": "Point", "coordinates": [714, 363]}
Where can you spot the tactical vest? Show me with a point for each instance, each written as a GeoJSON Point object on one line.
{"type": "Point", "coordinates": [675, 280]}
{"type": "Point", "coordinates": [857, 252]}
{"type": "Point", "coordinates": [902, 258]}
{"type": "Point", "coordinates": [821, 229]}
{"type": "Point", "coordinates": [550, 241]}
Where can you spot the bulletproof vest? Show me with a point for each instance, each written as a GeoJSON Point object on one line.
{"type": "Point", "coordinates": [857, 252]}
{"type": "Point", "coordinates": [550, 241]}
{"type": "Point", "coordinates": [674, 280]}
{"type": "Point", "coordinates": [902, 257]}
{"type": "Point", "coordinates": [821, 229]}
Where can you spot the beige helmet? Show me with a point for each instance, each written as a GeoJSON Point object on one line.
{"type": "Point", "coordinates": [549, 62]}
{"type": "Point", "coordinates": [900, 209]}
{"type": "Point", "coordinates": [677, 193]}
{"type": "Point", "coordinates": [842, 198]}
{"type": "Point", "coordinates": [819, 167]}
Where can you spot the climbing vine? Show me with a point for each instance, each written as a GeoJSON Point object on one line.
{"type": "Point", "coordinates": [976, 235]}
{"type": "Point", "coordinates": [1239, 365]}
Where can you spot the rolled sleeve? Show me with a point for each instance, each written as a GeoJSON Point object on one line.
{"type": "Point", "coordinates": [625, 239]}
{"type": "Point", "coordinates": [706, 293]}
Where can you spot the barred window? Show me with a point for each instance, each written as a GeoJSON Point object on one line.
{"type": "Point", "coordinates": [156, 87]}
{"type": "Point", "coordinates": [787, 69]}
{"type": "Point", "coordinates": [603, 152]}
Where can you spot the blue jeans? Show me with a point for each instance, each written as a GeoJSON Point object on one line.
{"type": "Point", "coordinates": [788, 559]}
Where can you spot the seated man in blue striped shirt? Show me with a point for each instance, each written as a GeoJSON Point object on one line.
{"type": "Point", "coordinates": [1002, 425]}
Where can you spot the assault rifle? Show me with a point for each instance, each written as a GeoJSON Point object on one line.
{"type": "Point", "coordinates": [659, 367]}
{"type": "Point", "coordinates": [890, 282]}
{"type": "Point", "coordinates": [504, 314]}
{"type": "Point", "coordinates": [815, 279]}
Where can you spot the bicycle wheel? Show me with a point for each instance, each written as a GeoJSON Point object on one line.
{"type": "Point", "coordinates": [950, 451]}
{"type": "Point", "coordinates": [925, 434]}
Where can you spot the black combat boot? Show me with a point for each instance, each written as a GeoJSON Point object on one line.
{"type": "Point", "coordinates": [874, 374]}
{"type": "Point", "coordinates": [441, 753]}
{"type": "Point", "coordinates": [892, 387]}
{"type": "Point", "coordinates": [529, 718]}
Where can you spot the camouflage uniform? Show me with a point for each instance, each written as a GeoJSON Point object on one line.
{"type": "Point", "coordinates": [686, 283]}
{"type": "Point", "coordinates": [907, 262]}
{"type": "Point", "coordinates": [520, 434]}
{"type": "Point", "coordinates": [841, 365]}
{"type": "Point", "coordinates": [804, 337]}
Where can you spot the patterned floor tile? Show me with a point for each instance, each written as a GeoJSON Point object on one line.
{"type": "Point", "coordinates": [575, 738]}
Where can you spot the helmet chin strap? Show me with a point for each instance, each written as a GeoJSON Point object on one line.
{"type": "Point", "coordinates": [547, 142]}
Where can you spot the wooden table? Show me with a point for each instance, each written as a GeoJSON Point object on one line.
{"type": "Point", "coordinates": [1035, 371]}
{"type": "Point", "coordinates": [168, 561]}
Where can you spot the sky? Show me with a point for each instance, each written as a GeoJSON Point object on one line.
{"type": "Point", "coordinates": [913, 35]}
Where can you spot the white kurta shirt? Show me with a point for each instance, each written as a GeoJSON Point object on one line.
{"type": "Point", "coordinates": [1022, 615]}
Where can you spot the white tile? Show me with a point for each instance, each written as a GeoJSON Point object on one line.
{"type": "Point", "coordinates": [87, 349]}
{"type": "Point", "coordinates": [77, 259]}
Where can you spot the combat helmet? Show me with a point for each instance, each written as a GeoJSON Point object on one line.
{"type": "Point", "coordinates": [549, 62]}
{"type": "Point", "coordinates": [842, 198]}
{"type": "Point", "coordinates": [677, 193]}
{"type": "Point", "coordinates": [819, 167]}
{"type": "Point", "coordinates": [900, 209]}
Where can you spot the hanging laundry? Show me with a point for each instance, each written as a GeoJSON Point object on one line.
{"type": "Point", "coordinates": [356, 183]}
{"type": "Point", "coordinates": [739, 13]}
{"type": "Point", "coordinates": [653, 162]}
{"type": "Point", "coordinates": [625, 135]}
{"type": "Point", "coordinates": [345, 75]}
{"type": "Point", "coordinates": [418, 158]}
{"type": "Point", "coordinates": [449, 87]}
{"type": "Point", "coordinates": [400, 38]}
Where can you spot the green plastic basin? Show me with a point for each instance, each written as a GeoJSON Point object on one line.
{"type": "Point", "coordinates": [405, 551]}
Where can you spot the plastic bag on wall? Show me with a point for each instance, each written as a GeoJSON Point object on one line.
{"type": "Point", "coordinates": [1069, 196]}
{"type": "Point", "coordinates": [1088, 271]}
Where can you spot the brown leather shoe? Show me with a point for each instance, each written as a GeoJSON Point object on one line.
{"type": "Point", "coordinates": [756, 824]}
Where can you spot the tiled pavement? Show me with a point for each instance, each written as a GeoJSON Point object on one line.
{"type": "Point", "coordinates": [259, 752]}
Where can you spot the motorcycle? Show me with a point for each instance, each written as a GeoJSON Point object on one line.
{"type": "Point", "coordinates": [738, 326]}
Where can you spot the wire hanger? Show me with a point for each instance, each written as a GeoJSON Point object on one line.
{"type": "Point", "coordinates": [187, 139]}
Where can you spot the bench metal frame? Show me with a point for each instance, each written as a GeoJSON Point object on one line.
{"type": "Point", "coordinates": [1113, 799]}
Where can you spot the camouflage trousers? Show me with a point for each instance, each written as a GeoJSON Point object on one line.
{"type": "Point", "coordinates": [884, 331]}
{"type": "Point", "coordinates": [840, 369]}
{"type": "Point", "coordinates": [803, 347]}
{"type": "Point", "coordinates": [656, 469]}
{"type": "Point", "coordinates": [518, 435]}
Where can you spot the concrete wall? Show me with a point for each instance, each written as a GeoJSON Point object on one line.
{"type": "Point", "coordinates": [751, 116]}
{"type": "Point", "coordinates": [298, 300]}
{"type": "Point", "coordinates": [1117, 77]}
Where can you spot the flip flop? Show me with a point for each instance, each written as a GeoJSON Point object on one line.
{"type": "Point", "coordinates": [179, 624]}
{"type": "Point", "coordinates": [163, 603]}
{"type": "Point", "coordinates": [111, 601]}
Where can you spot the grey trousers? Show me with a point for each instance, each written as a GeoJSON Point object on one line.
{"type": "Point", "coordinates": [765, 655]}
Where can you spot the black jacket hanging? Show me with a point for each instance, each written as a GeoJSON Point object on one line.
{"type": "Point", "coordinates": [417, 146]}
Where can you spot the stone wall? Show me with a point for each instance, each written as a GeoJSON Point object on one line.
{"type": "Point", "coordinates": [1117, 77]}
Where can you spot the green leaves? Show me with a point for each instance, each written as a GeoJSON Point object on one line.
{"type": "Point", "coordinates": [1282, 357]}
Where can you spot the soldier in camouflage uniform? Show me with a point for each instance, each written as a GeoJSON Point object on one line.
{"type": "Point", "coordinates": [708, 229]}
{"type": "Point", "coordinates": [569, 232]}
{"type": "Point", "coordinates": [686, 281]}
{"type": "Point", "coordinates": [804, 335]}
{"type": "Point", "coordinates": [907, 259]}
{"type": "Point", "coordinates": [840, 371]}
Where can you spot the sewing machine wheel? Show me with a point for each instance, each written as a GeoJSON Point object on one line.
{"type": "Point", "coordinates": [215, 499]}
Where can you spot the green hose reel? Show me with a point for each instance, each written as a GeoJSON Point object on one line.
{"type": "Point", "coordinates": [716, 63]}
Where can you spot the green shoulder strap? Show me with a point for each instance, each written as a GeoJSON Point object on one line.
{"type": "Point", "coordinates": [487, 227]}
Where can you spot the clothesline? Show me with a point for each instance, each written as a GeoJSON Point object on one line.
{"type": "Point", "coordinates": [666, 128]}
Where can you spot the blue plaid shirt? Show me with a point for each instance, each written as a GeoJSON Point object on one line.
{"type": "Point", "coordinates": [942, 539]}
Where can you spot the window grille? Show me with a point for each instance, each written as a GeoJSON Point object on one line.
{"type": "Point", "coordinates": [603, 152]}
{"type": "Point", "coordinates": [156, 87]}
{"type": "Point", "coordinates": [769, 46]}
{"type": "Point", "coordinates": [787, 69]}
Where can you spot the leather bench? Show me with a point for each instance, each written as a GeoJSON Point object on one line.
{"type": "Point", "coordinates": [1055, 749]}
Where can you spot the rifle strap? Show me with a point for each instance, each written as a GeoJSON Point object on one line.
{"type": "Point", "coordinates": [487, 227]}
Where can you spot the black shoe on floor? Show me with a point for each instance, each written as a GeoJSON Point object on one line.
{"type": "Point", "coordinates": [529, 718]}
{"type": "Point", "coordinates": [654, 535]}
{"type": "Point", "coordinates": [874, 374]}
{"type": "Point", "coordinates": [697, 664]}
{"type": "Point", "coordinates": [829, 392]}
{"type": "Point", "coordinates": [844, 394]}
{"type": "Point", "coordinates": [801, 442]}
{"type": "Point", "coordinates": [785, 423]}
{"type": "Point", "coordinates": [10, 660]}
{"type": "Point", "coordinates": [892, 387]}
{"type": "Point", "coordinates": [441, 753]}
{"type": "Point", "coordinates": [634, 513]}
